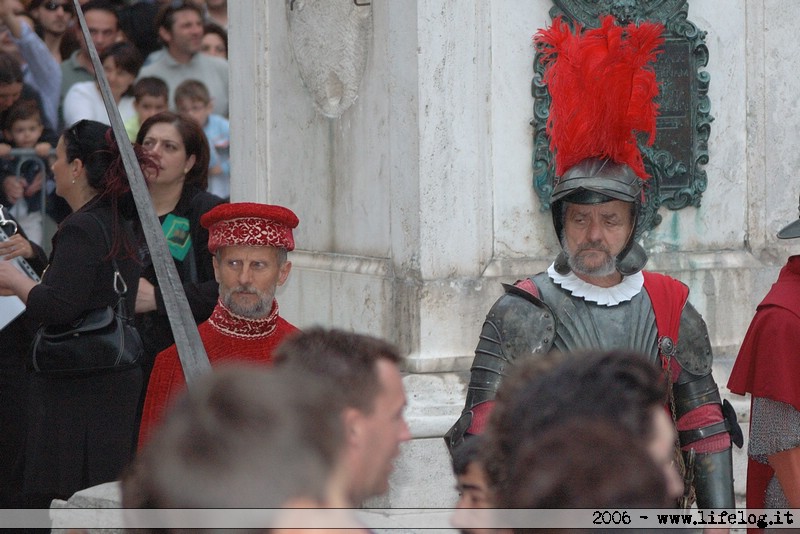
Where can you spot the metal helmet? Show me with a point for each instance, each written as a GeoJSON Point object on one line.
{"type": "Point", "coordinates": [594, 181]}
{"type": "Point", "coordinates": [791, 230]}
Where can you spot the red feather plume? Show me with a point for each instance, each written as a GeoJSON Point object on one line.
{"type": "Point", "coordinates": [602, 84]}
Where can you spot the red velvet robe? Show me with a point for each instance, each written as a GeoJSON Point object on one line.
{"type": "Point", "coordinates": [768, 365]}
{"type": "Point", "coordinates": [226, 338]}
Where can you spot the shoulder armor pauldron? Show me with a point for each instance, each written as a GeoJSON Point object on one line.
{"type": "Point", "coordinates": [523, 324]}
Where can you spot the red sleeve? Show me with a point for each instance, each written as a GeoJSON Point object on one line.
{"type": "Point", "coordinates": [166, 381]}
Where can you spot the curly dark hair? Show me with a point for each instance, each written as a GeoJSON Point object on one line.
{"type": "Point", "coordinates": [584, 464]}
{"type": "Point", "coordinates": [621, 387]}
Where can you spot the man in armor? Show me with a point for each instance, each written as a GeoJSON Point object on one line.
{"type": "Point", "coordinates": [767, 368]}
{"type": "Point", "coordinates": [595, 295]}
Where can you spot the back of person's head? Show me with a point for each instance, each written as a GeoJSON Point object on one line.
{"type": "Point", "coordinates": [621, 387]}
{"type": "Point", "coordinates": [166, 15]}
{"type": "Point", "coordinates": [193, 91]}
{"type": "Point", "coordinates": [345, 358]}
{"type": "Point", "coordinates": [93, 144]}
{"type": "Point", "coordinates": [241, 437]}
{"type": "Point", "coordinates": [137, 22]}
{"type": "Point", "coordinates": [126, 57]}
{"type": "Point", "coordinates": [194, 140]}
{"type": "Point", "coordinates": [10, 69]}
{"type": "Point", "coordinates": [583, 464]}
{"type": "Point", "coordinates": [150, 86]}
{"type": "Point", "coordinates": [21, 110]}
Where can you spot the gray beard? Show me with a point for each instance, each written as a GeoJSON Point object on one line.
{"type": "Point", "coordinates": [255, 311]}
{"type": "Point", "coordinates": [577, 265]}
{"type": "Point", "coordinates": [607, 268]}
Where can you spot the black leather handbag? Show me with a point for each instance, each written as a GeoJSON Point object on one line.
{"type": "Point", "coordinates": [104, 339]}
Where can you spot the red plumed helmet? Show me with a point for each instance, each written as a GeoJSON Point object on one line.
{"type": "Point", "coordinates": [602, 84]}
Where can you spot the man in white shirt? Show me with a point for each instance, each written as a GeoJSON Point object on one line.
{"type": "Point", "coordinates": [180, 27]}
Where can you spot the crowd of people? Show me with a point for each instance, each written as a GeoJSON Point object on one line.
{"type": "Point", "coordinates": [60, 167]}
{"type": "Point", "coordinates": [147, 48]}
{"type": "Point", "coordinates": [592, 382]}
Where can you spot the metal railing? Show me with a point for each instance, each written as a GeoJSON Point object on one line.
{"type": "Point", "coordinates": [23, 156]}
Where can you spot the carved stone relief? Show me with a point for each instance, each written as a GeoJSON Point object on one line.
{"type": "Point", "coordinates": [330, 40]}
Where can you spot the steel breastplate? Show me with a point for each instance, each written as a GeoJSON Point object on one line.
{"type": "Point", "coordinates": [584, 325]}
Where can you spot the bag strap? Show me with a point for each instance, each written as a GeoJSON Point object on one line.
{"type": "Point", "coordinates": [120, 287]}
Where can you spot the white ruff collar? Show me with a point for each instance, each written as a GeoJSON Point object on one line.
{"type": "Point", "coordinates": [604, 296]}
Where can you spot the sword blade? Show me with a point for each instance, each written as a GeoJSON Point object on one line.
{"type": "Point", "coordinates": [191, 352]}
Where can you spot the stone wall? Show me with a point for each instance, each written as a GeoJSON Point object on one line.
{"type": "Point", "coordinates": [416, 201]}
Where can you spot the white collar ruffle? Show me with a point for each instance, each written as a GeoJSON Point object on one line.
{"type": "Point", "coordinates": [604, 296]}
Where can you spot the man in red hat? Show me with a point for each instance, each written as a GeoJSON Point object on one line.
{"type": "Point", "coordinates": [250, 243]}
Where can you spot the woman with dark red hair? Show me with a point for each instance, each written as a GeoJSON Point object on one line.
{"type": "Point", "coordinates": [81, 426]}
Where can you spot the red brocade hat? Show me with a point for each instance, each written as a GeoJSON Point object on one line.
{"type": "Point", "coordinates": [249, 224]}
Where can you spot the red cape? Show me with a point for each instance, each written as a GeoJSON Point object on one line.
{"type": "Point", "coordinates": [167, 379]}
{"type": "Point", "coordinates": [767, 365]}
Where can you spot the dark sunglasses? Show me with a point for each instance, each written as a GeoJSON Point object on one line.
{"type": "Point", "coordinates": [52, 6]}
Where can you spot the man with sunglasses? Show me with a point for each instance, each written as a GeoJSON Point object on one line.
{"type": "Point", "coordinates": [54, 18]}
{"type": "Point", "coordinates": [40, 70]}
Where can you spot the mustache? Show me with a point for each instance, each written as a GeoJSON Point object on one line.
{"type": "Point", "coordinates": [245, 289]}
{"type": "Point", "coordinates": [592, 245]}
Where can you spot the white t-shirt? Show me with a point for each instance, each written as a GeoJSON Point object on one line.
{"type": "Point", "coordinates": [84, 101]}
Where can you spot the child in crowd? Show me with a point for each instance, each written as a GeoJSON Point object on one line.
{"type": "Point", "coordinates": [23, 177]}
{"type": "Point", "coordinates": [472, 485]}
{"type": "Point", "coordinates": [150, 96]}
{"type": "Point", "coordinates": [193, 100]}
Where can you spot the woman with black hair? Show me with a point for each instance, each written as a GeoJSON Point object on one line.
{"type": "Point", "coordinates": [81, 427]}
